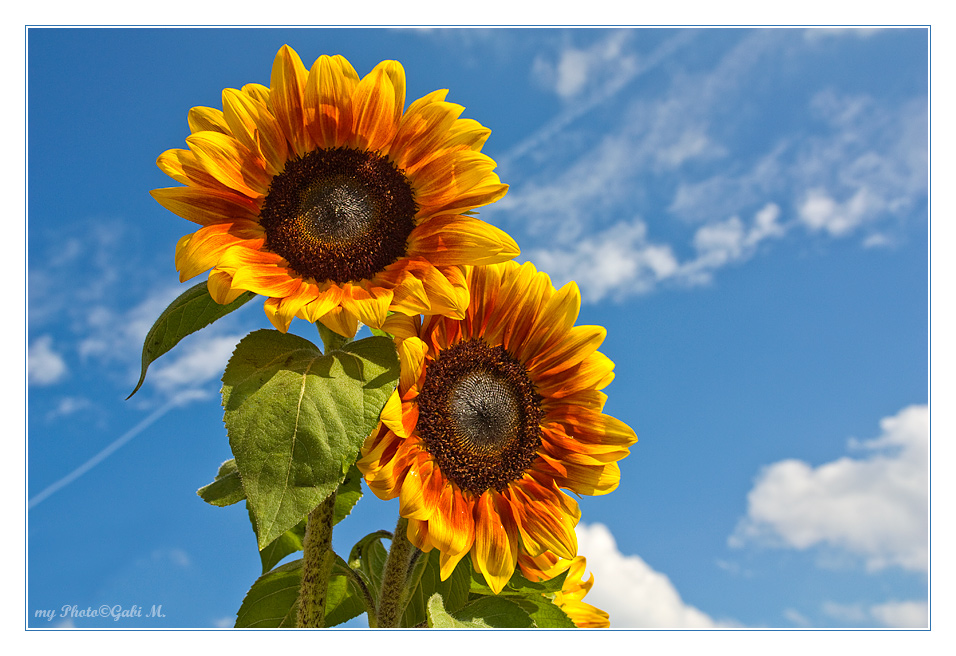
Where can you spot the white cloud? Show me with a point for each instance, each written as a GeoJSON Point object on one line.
{"type": "Point", "coordinates": [44, 365]}
{"type": "Point", "coordinates": [579, 69]}
{"type": "Point", "coordinates": [795, 617]}
{"type": "Point", "coordinates": [874, 506]}
{"type": "Point", "coordinates": [69, 405]}
{"type": "Point", "coordinates": [633, 594]}
{"type": "Point", "coordinates": [902, 614]}
{"type": "Point", "coordinates": [621, 261]}
{"type": "Point", "coordinates": [616, 262]}
{"type": "Point", "coordinates": [854, 167]}
{"type": "Point", "coordinates": [893, 614]}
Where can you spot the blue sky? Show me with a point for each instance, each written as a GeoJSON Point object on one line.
{"type": "Point", "coordinates": [746, 211]}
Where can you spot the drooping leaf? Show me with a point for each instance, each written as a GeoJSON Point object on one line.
{"type": "Point", "coordinates": [193, 310]}
{"type": "Point", "coordinates": [226, 489]}
{"type": "Point", "coordinates": [296, 419]}
{"type": "Point", "coordinates": [273, 599]}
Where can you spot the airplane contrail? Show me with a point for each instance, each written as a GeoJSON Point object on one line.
{"type": "Point", "coordinates": [179, 399]}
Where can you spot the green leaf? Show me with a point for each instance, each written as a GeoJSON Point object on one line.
{"type": "Point", "coordinates": [439, 618]}
{"type": "Point", "coordinates": [287, 543]}
{"type": "Point", "coordinates": [380, 333]}
{"type": "Point", "coordinates": [349, 493]}
{"type": "Point", "coordinates": [343, 600]}
{"type": "Point", "coordinates": [496, 612]}
{"type": "Point", "coordinates": [226, 489]}
{"type": "Point", "coordinates": [543, 612]}
{"type": "Point", "coordinates": [192, 311]}
{"type": "Point", "coordinates": [296, 419]}
{"type": "Point", "coordinates": [367, 559]}
{"type": "Point", "coordinates": [454, 591]}
{"type": "Point", "coordinates": [273, 599]}
{"type": "Point", "coordinates": [518, 585]}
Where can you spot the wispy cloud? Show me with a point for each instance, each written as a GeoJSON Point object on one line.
{"type": "Point", "coordinates": [625, 181]}
{"type": "Point", "coordinates": [44, 365]}
{"type": "Point", "coordinates": [633, 594]}
{"type": "Point", "coordinates": [891, 614]}
{"type": "Point", "coordinates": [622, 260]}
{"type": "Point", "coordinates": [874, 506]}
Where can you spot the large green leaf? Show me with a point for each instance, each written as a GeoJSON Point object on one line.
{"type": "Point", "coordinates": [348, 494]}
{"type": "Point", "coordinates": [296, 419]}
{"type": "Point", "coordinates": [273, 599]}
{"type": "Point", "coordinates": [193, 310]}
{"type": "Point", "coordinates": [226, 489]}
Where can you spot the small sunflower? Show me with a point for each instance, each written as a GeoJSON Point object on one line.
{"type": "Point", "coordinates": [323, 195]}
{"type": "Point", "coordinates": [493, 414]}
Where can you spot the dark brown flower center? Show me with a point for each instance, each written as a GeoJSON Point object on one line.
{"type": "Point", "coordinates": [479, 416]}
{"type": "Point", "coordinates": [339, 214]}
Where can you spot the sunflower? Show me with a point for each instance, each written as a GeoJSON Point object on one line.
{"type": "Point", "coordinates": [323, 195]}
{"type": "Point", "coordinates": [493, 414]}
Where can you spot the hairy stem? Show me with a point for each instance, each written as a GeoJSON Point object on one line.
{"type": "Point", "coordinates": [317, 561]}
{"type": "Point", "coordinates": [390, 607]}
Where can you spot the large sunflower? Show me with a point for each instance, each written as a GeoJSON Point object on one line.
{"type": "Point", "coordinates": [323, 195]}
{"type": "Point", "coordinates": [493, 414]}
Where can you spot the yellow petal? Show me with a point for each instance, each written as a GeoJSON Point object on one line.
{"type": "Point", "coordinates": [206, 206]}
{"type": "Point", "coordinates": [377, 104]}
{"type": "Point", "coordinates": [496, 540]}
{"type": "Point", "coordinates": [201, 119]}
{"type": "Point", "coordinates": [231, 163]}
{"type": "Point", "coordinates": [255, 127]}
{"type": "Point", "coordinates": [328, 99]}
{"type": "Point", "coordinates": [453, 239]}
{"type": "Point", "coordinates": [288, 89]}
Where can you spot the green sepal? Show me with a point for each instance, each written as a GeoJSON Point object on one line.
{"type": "Point", "coordinates": [296, 419]}
{"type": "Point", "coordinates": [193, 310]}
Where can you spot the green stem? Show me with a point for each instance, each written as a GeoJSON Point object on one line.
{"type": "Point", "coordinates": [317, 562]}
{"type": "Point", "coordinates": [390, 606]}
